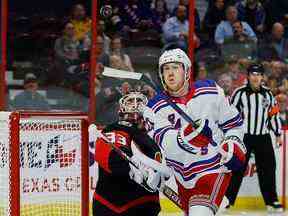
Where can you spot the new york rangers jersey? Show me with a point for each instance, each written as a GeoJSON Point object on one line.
{"type": "Point", "coordinates": [206, 102]}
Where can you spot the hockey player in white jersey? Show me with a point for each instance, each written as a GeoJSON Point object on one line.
{"type": "Point", "coordinates": [201, 157]}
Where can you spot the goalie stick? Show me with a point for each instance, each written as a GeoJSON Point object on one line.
{"type": "Point", "coordinates": [115, 73]}
{"type": "Point", "coordinates": [166, 190]}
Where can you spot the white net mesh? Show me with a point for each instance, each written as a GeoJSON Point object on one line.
{"type": "Point", "coordinates": [4, 164]}
{"type": "Point", "coordinates": [50, 167]}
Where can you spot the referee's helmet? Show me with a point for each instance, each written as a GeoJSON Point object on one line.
{"type": "Point", "coordinates": [255, 68]}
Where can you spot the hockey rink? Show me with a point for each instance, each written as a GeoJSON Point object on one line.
{"type": "Point", "coordinates": [236, 213]}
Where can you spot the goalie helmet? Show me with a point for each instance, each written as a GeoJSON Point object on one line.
{"type": "Point", "coordinates": [131, 106]}
{"type": "Point", "coordinates": [174, 55]}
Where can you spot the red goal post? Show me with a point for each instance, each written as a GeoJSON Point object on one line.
{"type": "Point", "coordinates": [44, 164]}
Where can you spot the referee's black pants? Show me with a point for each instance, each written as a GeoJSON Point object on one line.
{"type": "Point", "coordinates": [261, 146]}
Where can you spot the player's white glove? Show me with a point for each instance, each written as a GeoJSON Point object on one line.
{"type": "Point", "coordinates": [136, 172]}
{"type": "Point", "coordinates": [153, 180]}
{"type": "Point", "coordinates": [233, 153]}
{"type": "Point", "coordinates": [147, 177]}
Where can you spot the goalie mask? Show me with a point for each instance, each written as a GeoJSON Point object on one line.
{"type": "Point", "coordinates": [178, 56]}
{"type": "Point", "coordinates": [131, 107]}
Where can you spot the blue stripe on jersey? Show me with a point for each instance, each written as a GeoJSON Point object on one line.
{"type": "Point", "coordinates": [185, 172]}
{"type": "Point", "coordinates": [155, 100]}
{"type": "Point", "coordinates": [206, 170]}
{"type": "Point", "coordinates": [173, 161]}
{"type": "Point", "coordinates": [198, 163]}
{"type": "Point", "coordinates": [159, 134]}
{"type": "Point", "coordinates": [205, 92]}
{"type": "Point", "coordinates": [204, 83]}
{"type": "Point", "coordinates": [231, 123]}
{"type": "Point", "coordinates": [160, 107]}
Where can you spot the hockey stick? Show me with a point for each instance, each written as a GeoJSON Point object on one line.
{"type": "Point", "coordinates": [115, 73]}
{"type": "Point", "coordinates": [166, 190]}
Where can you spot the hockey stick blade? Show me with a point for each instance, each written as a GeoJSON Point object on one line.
{"type": "Point", "coordinates": [115, 73]}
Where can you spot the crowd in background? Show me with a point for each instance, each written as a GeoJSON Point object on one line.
{"type": "Point", "coordinates": [229, 35]}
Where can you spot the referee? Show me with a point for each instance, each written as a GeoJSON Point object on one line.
{"type": "Point", "coordinates": [261, 114]}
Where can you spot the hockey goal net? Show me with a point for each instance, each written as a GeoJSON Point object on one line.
{"type": "Point", "coordinates": [44, 164]}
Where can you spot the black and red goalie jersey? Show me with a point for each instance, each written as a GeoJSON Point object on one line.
{"type": "Point", "coordinates": [116, 193]}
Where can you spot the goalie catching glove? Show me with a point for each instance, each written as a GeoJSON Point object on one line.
{"type": "Point", "coordinates": [233, 153]}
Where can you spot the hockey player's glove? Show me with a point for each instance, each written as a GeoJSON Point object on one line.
{"type": "Point", "coordinates": [135, 172]}
{"type": "Point", "coordinates": [198, 137]}
{"type": "Point", "coordinates": [233, 153]}
{"type": "Point", "coordinates": [147, 177]}
{"type": "Point", "coordinates": [153, 180]}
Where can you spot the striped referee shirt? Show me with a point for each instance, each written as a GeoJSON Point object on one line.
{"type": "Point", "coordinates": [259, 110]}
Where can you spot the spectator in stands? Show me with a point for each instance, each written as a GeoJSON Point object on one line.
{"type": "Point", "coordinates": [197, 22]}
{"type": "Point", "coordinates": [82, 79]}
{"type": "Point", "coordinates": [107, 106]}
{"type": "Point", "coordinates": [252, 12]}
{"type": "Point", "coordinates": [171, 5]}
{"type": "Point", "coordinates": [213, 16]}
{"type": "Point", "coordinates": [225, 81]}
{"type": "Point", "coordinates": [160, 14]}
{"type": "Point", "coordinates": [238, 33]}
{"type": "Point", "coordinates": [175, 29]}
{"type": "Point", "coordinates": [274, 46]}
{"type": "Point", "coordinates": [80, 20]}
{"type": "Point", "coordinates": [133, 15]}
{"type": "Point", "coordinates": [148, 91]}
{"type": "Point", "coordinates": [240, 44]}
{"type": "Point", "coordinates": [284, 22]}
{"type": "Point", "coordinates": [67, 47]}
{"type": "Point", "coordinates": [275, 10]}
{"type": "Point", "coordinates": [101, 32]}
{"type": "Point", "coordinates": [200, 72]}
{"type": "Point", "coordinates": [125, 88]}
{"type": "Point", "coordinates": [277, 77]}
{"type": "Point", "coordinates": [106, 39]}
{"type": "Point", "coordinates": [102, 56]}
{"type": "Point", "coordinates": [227, 2]}
{"type": "Point", "coordinates": [67, 54]}
{"type": "Point", "coordinates": [233, 69]}
{"type": "Point", "coordinates": [30, 98]}
{"type": "Point", "coordinates": [118, 58]}
{"type": "Point", "coordinates": [282, 100]}
{"type": "Point", "coordinates": [225, 29]}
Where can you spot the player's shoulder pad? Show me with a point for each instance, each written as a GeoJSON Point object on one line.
{"type": "Point", "coordinates": [159, 97]}
{"type": "Point", "coordinates": [204, 83]}
{"type": "Point", "coordinates": [205, 87]}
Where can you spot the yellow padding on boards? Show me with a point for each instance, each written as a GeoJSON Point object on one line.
{"type": "Point", "coordinates": [168, 206]}
{"type": "Point", "coordinates": [249, 203]}
{"type": "Point", "coordinates": [252, 203]}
